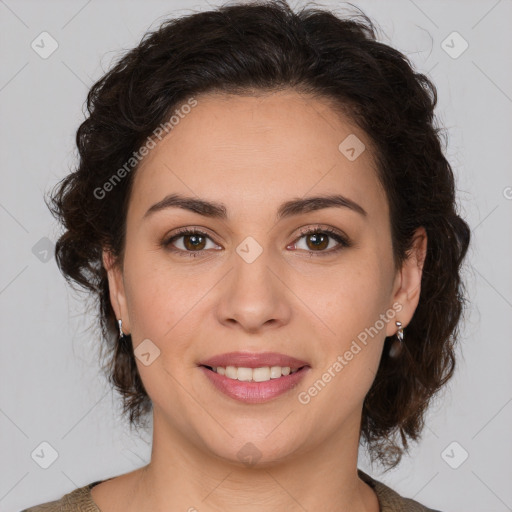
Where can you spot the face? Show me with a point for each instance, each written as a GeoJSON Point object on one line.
{"type": "Point", "coordinates": [250, 281]}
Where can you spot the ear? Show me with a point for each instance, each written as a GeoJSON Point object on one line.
{"type": "Point", "coordinates": [116, 289]}
{"type": "Point", "coordinates": [407, 286]}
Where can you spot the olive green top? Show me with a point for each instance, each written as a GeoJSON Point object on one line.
{"type": "Point", "coordinates": [80, 499]}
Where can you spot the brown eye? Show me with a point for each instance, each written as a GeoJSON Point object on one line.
{"type": "Point", "coordinates": [193, 242]}
{"type": "Point", "coordinates": [187, 242]}
{"type": "Point", "coordinates": [317, 241]}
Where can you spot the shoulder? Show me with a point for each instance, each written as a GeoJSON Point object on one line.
{"type": "Point", "coordinates": [78, 500]}
{"type": "Point", "coordinates": [390, 500]}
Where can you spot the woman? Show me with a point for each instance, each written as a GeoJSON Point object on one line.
{"type": "Point", "coordinates": [265, 214]}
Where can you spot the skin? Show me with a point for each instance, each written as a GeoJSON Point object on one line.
{"type": "Point", "coordinates": [253, 153]}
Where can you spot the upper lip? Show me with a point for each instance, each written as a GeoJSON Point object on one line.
{"type": "Point", "coordinates": [253, 360]}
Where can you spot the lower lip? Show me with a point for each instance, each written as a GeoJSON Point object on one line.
{"type": "Point", "coordinates": [254, 392]}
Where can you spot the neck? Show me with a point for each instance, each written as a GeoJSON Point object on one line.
{"type": "Point", "coordinates": [193, 479]}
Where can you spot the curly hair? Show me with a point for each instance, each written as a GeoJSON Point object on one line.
{"type": "Point", "coordinates": [264, 46]}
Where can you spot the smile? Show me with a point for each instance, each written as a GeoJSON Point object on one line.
{"type": "Point", "coordinates": [245, 386]}
{"type": "Point", "coordinates": [262, 374]}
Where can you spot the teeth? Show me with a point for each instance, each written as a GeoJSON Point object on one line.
{"type": "Point", "coordinates": [262, 374]}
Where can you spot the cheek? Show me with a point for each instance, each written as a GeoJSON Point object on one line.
{"type": "Point", "coordinates": [160, 293]}
{"type": "Point", "coordinates": [353, 301]}
{"type": "Point", "coordinates": [161, 301]}
{"type": "Point", "coordinates": [354, 295]}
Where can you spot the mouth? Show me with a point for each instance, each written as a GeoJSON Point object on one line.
{"type": "Point", "coordinates": [260, 374]}
{"type": "Point", "coordinates": [254, 378]}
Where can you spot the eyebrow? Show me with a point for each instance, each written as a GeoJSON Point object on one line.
{"type": "Point", "coordinates": [290, 208]}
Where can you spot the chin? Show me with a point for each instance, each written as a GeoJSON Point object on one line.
{"type": "Point", "coordinates": [255, 446]}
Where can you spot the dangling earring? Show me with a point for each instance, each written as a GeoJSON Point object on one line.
{"type": "Point", "coordinates": [122, 336]}
{"type": "Point", "coordinates": [397, 346]}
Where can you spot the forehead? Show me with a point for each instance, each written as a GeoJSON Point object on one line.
{"type": "Point", "coordinates": [255, 152]}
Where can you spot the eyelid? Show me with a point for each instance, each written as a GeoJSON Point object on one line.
{"type": "Point", "coordinates": [323, 228]}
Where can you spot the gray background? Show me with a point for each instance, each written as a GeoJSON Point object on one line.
{"type": "Point", "coordinates": [51, 387]}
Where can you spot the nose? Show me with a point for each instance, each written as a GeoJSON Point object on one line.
{"type": "Point", "coordinates": [254, 296]}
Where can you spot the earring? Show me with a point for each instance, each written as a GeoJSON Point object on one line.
{"type": "Point", "coordinates": [397, 346]}
{"type": "Point", "coordinates": [124, 340]}
{"type": "Point", "coordinates": [400, 332]}
{"type": "Point", "coordinates": [122, 335]}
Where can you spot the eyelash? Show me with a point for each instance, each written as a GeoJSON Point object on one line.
{"type": "Point", "coordinates": [343, 241]}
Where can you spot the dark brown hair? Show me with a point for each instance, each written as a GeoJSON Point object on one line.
{"type": "Point", "coordinates": [266, 47]}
